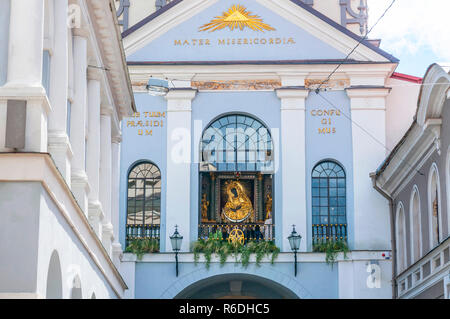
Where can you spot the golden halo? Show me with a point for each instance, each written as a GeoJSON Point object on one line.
{"type": "Point", "coordinates": [237, 17]}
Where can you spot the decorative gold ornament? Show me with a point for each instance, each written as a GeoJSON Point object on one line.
{"type": "Point", "coordinates": [238, 207]}
{"type": "Point", "coordinates": [237, 17]}
{"type": "Point", "coordinates": [236, 236]}
{"type": "Point", "coordinates": [205, 205]}
{"type": "Point", "coordinates": [268, 206]}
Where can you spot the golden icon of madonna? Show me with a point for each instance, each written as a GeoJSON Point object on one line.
{"type": "Point", "coordinates": [238, 206]}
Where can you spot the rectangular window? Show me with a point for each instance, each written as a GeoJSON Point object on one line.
{"type": "Point", "coordinates": [69, 110]}
{"type": "Point", "coordinates": [46, 71]}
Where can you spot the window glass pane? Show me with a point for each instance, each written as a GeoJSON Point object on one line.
{"type": "Point", "coordinates": [333, 182]}
{"type": "Point", "coordinates": [315, 201]}
{"type": "Point", "coordinates": [333, 191]}
{"type": "Point", "coordinates": [315, 191]}
{"type": "Point", "coordinates": [333, 201]}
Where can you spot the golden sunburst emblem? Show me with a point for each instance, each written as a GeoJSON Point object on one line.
{"type": "Point", "coordinates": [237, 17]}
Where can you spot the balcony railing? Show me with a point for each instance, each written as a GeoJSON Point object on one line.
{"type": "Point", "coordinates": [142, 232]}
{"type": "Point", "coordinates": [250, 232]}
{"type": "Point", "coordinates": [324, 232]}
{"type": "Point", "coordinates": [433, 265]}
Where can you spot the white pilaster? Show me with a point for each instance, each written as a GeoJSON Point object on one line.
{"type": "Point", "coordinates": [3, 116]}
{"type": "Point", "coordinates": [105, 175]}
{"type": "Point", "coordinates": [26, 36]}
{"type": "Point", "coordinates": [178, 207]}
{"type": "Point", "coordinates": [293, 154]}
{"type": "Point", "coordinates": [24, 76]}
{"type": "Point", "coordinates": [93, 149]}
{"type": "Point", "coordinates": [371, 210]}
{"type": "Point", "coordinates": [80, 187]}
{"type": "Point", "coordinates": [116, 247]}
{"type": "Point", "coordinates": [58, 140]}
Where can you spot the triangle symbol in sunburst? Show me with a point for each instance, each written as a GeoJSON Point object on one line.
{"type": "Point", "coordinates": [237, 17]}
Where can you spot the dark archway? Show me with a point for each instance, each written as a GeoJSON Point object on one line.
{"type": "Point", "coordinates": [236, 286]}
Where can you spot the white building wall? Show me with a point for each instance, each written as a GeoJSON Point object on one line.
{"type": "Point", "coordinates": [56, 234]}
{"type": "Point", "coordinates": [401, 107]}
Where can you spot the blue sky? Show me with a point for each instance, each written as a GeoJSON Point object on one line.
{"type": "Point", "coordinates": [415, 31]}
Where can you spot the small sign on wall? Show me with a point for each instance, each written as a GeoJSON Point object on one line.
{"type": "Point", "coordinates": [146, 122]}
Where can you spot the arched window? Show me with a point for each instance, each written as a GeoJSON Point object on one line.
{"type": "Point", "coordinates": [415, 225]}
{"type": "Point", "coordinates": [400, 238]}
{"type": "Point", "coordinates": [236, 142]}
{"type": "Point", "coordinates": [76, 292]}
{"type": "Point", "coordinates": [329, 209]}
{"type": "Point", "coordinates": [144, 201]}
{"type": "Point", "coordinates": [236, 181]}
{"type": "Point", "coordinates": [434, 206]}
{"type": "Point", "coordinates": [54, 278]}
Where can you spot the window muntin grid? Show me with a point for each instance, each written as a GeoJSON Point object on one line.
{"type": "Point", "coordinates": [329, 194]}
{"type": "Point", "coordinates": [144, 195]}
{"type": "Point", "coordinates": [237, 143]}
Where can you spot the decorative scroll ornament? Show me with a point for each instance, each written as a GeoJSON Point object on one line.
{"type": "Point", "coordinates": [237, 17]}
{"type": "Point", "coordinates": [236, 236]}
{"type": "Point", "coordinates": [238, 207]}
{"type": "Point", "coordinates": [124, 9]}
{"type": "Point", "coordinates": [360, 17]}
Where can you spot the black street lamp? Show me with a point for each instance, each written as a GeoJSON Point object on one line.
{"type": "Point", "coordinates": [176, 240]}
{"type": "Point", "coordinates": [295, 240]}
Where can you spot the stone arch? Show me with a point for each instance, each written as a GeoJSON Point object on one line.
{"type": "Point", "coordinates": [415, 225]}
{"type": "Point", "coordinates": [401, 238]}
{"type": "Point", "coordinates": [264, 271]}
{"type": "Point", "coordinates": [434, 206]}
{"type": "Point", "coordinates": [54, 278]}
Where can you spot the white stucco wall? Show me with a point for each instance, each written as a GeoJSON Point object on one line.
{"type": "Point", "coordinates": [41, 229]}
{"type": "Point", "coordinates": [401, 106]}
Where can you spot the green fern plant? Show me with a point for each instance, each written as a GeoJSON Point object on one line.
{"type": "Point", "coordinates": [331, 248]}
{"type": "Point", "coordinates": [242, 253]}
{"type": "Point", "coordinates": [142, 246]}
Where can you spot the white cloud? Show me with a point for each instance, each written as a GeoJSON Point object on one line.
{"type": "Point", "coordinates": [412, 25]}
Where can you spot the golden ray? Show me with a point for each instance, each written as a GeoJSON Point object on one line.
{"type": "Point", "coordinates": [237, 17]}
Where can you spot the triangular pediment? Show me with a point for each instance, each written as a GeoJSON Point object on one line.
{"type": "Point", "coordinates": [250, 30]}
